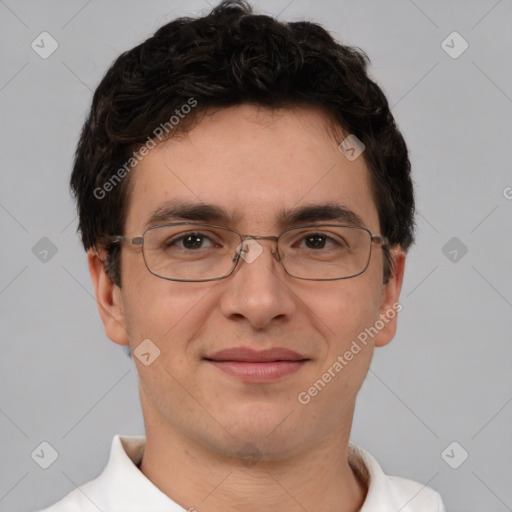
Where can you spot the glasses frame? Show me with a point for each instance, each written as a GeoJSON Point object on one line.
{"type": "Point", "coordinates": [139, 240]}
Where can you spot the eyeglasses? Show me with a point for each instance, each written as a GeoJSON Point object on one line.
{"type": "Point", "coordinates": [187, 251]}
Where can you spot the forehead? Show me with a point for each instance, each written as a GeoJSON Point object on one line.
{"type": "Point", "coordinates": [254, 169]}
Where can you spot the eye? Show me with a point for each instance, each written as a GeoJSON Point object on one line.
{"type": "Point", "coordinates": [190, 241]}
{"type": "Point", "coordinates": [320, 241]}
{"type": "Point", "coordinates": [315, 241]}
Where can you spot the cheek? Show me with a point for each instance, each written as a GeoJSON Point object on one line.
{"type": "Point", "coordinates": [342, 310]}
{"type": "Point", "coordinates": [341, 314]}
{"type": "Point", "coordinates": [169, 318]}
{"type": "Point", "coordinates": [168, 313]}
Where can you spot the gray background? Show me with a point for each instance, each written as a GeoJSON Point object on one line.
{"type": "Point", "coordinates": [446, 376]}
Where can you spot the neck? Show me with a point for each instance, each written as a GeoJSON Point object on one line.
{"type": "Point", "coordinates": [198, 478]}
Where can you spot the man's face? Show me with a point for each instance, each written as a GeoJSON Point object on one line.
{"type": "Point", "coordinates": [254, 164]}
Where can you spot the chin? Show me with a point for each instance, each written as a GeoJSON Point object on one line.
{"type": "Point", "coordinates": [268, 425]}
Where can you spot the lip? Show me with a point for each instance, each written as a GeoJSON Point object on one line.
{"type": "Point", "coordinates": [257, 365]}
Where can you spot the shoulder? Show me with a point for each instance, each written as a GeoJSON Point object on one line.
{"type": "Point", "coordinates": [387, 493]}
{"type": "Point", "coordinates": [414, 496]}
{"type": "Point", "coordinates": [117, 487]}
{"type": "Point", "coordinates": [83, 499]}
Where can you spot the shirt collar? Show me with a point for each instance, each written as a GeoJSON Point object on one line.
{"type": "Point", "coordinates": [369, 472]}
{"type": "Point", "coordinates": [124, 483]}
{"type": "Point", "coordinates": [128, 489]}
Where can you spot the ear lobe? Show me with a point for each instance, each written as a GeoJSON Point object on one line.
{"type": "Point", "coordinates": [390, 305]}
{"type": "Point", "coordinates": [108, 298]}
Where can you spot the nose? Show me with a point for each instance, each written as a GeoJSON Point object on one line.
{"type": "Point", "coordinates": [258, 290]}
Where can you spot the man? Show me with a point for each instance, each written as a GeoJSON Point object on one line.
{"type": "Point", "coordinates": [250, 350]}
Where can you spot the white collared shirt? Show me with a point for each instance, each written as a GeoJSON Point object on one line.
{"type": "Point", "coordinates": [122, 487]}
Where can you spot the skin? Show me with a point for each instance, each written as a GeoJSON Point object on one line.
{"type": "Point", "coordinates": [198, 418]}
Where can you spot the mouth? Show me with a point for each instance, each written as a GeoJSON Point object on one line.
{"type": "Point", "coordinates": [257, 365]}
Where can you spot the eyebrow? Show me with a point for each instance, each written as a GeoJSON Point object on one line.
{"type": "Point", "coordinates": [177, 210]}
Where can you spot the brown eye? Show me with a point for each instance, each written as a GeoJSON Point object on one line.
{"type": "Point", "coordinates": [190, 241]}
{"type": "Point", "coordinates": [315, 241]}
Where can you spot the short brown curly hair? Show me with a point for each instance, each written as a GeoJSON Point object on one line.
{"type": "Point", "coordinates": [230, 57]}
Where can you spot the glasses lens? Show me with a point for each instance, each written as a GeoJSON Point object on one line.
{"type": "Point", "coordinates": [202, 252]}
{"type": "Point", "coordinates": [325, 251]}
{"type": "Point", "coordinates": [190, 253]}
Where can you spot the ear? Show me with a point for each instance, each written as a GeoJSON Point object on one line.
{"type": "Point", "coordinates": [108, 298]}
{"type": "Point", "coordinates": [390, 305]}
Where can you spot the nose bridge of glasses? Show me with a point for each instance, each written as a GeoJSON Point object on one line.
{"type": "Point", "coordinates": [259, 237]}
{"type": "Point", "coordinates": [257, 248]}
